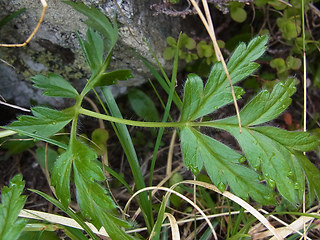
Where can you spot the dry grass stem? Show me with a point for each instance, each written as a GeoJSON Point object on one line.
{"type": "Point", "coordinates": [44, 8]}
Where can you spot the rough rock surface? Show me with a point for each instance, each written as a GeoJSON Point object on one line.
{"type": "Point", "coordinates": [55, 47]}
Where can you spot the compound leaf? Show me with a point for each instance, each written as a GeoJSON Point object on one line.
{"type": "Point", "coordinates": [11, 204]}
{"type": "Point", "coordinates": [274, 152]}
{"type": "Point", "coordinates": [55, 86]}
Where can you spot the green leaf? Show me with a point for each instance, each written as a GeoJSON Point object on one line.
{"type": "Point", "coordinates": [171, 41]}
{"type": "Point", "coordinates": [238, 14]}
{"type": "Point", "coordinates": [98, 21]}
{"type": "Point", "coordinates": [198, 102]}
{"type": "Point", "coordinates": [204, 50]}
{"type": "Point", "coordinates": [113, 77]}
{"type": "Point", "coordinates": [187, 42]}
{"type": "Point", "coordinates": [45, 123]}
{"type": "Point", "coordinates": [276, 161]}
{"type": "Point", "coordinates": [293, 63]}
{"type": "Point", "coordinates": [93, 199]}
{"type": "Point", "coordinates": [274, 152]}
{"type": "Point", "coordinates": [40, 234]}
{"type": "Point", "coordinates": [61, 176]}
{"type": "Point", "coordinates": [68, 211]}
{"type": "Point", "coordinates": [289, 27]}
{"type": "Point", "coordinates": [168, 53]}
{"type": "Point", "coordinates": [112, 226]}
{"type": "Point", "coordinates": [222, 164]}
{"type": "Point", "coordinates": [217, 92]}
{"type": "Point", "coordinates": [266, 106]}
{"type": "Point", "coordinates": [279, 64]}
{"type": "Point", "coordinates": [11, 204]}
{"type": "Point", "coordinates": [311, 172]}
{"type": "Point", "coordinates": [93, 49]}
{"type": "Point", "coordinates": [143, 105]}
{"type": "Point", "coordinates": [55, 86]}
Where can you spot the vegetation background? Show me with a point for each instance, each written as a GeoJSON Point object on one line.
{"type": "Point", "coordinates": [35, 160]}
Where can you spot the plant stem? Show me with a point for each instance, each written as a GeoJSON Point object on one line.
{"type": "Point", "coordinates": [149, 124]}
{"type": "Point", "coordinates": [130, 122]}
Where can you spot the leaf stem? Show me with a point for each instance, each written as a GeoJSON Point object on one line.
{"type": "Point", "coordinates": [148, 124]}
{"type": "Point", "coordinates": [130, 122]}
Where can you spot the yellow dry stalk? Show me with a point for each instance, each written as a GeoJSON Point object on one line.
{"type": "Point", "coordinates": [44, 8]}
{"type": "Point", "coordinates": [207, 22]}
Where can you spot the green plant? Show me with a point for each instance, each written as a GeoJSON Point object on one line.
{"type": "Point", "coordinates": [11, 204]}
{"type": "Point", "coordinates": [190, 51]}
{"type": "Point", "coordinates": [269, 153]}
{"type": "Point", "coordinates": [237, 12]}
{"type": "Point", "coordinates": [284, 66]}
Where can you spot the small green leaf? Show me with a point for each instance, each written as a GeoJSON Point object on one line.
{"type": "Point", "coordinates": [142, 105]}
{"type": "Point", "coordinates": [311, 172]}
{"type": "Point", "coordinates": [293, 63]}
{"type": "Point", "coordinates": [277, 5]}
{"type": "Point", "coordinates": [168, 53]}
{"type": "Point", "coordinates": [112, 226]}
{"type": "Point", "coordinates": [198, 103]}
{"type": "Point", "coordinates": [279, 64]}
{"type": "Point", "coordinates": [289, 27]}
{"type": "Point", "coordinates": [93, 49]}
{"type": "Point", "coordinates": [187, 42]}
{"type": "Point", "coordinates": [45, 122]}
{"type": "Point", "coordinates": [238, 14]}
{"type": "Point", "coordinates": [11, 204]}
{"type": "Point", "coordinates": [113, 77]}
{"type": "Point", "coordinates": [204, 50]}
{"type": "Point", "coordinates": [171, 41]}
{"type": "Point", "coordinates": [174, 1]}
{"type": "Point", "coordinates": [55, 86]}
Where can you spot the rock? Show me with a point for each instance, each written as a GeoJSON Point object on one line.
{"type": "Point", "coordinates": [55, 47]}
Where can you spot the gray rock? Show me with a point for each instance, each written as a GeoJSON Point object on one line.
{"type": "Point", "coordinates": [55, 47]}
